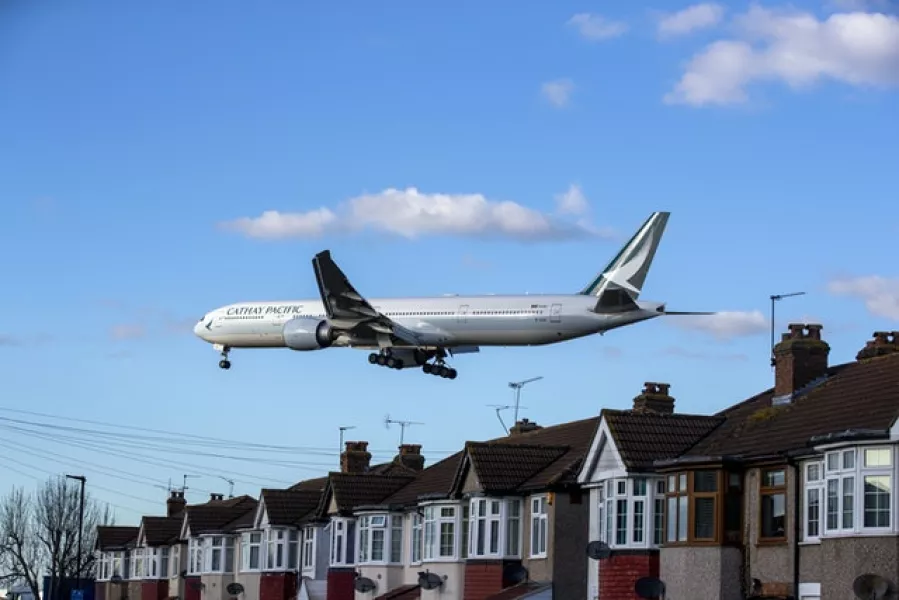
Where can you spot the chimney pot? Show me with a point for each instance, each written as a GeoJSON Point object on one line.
{"type": "Point", "coordinates": [215, 497]}
{"type": "Point", "coordinates": [523, 426]}
{"type": "Point", "coordinates": [883, 342]}
{"type": "Point", "coordinates": [799, 359]}
{"type": "Point", "coordinates": [796, 330]}
{"type": "Point", "coordinates": [356, 458]}
{"type": "Point", "coordinates": [656, 398]}
{"type": "Point", "coordinates": [175, 503]}
{"type": "Point", "coordinates": [410, 457]}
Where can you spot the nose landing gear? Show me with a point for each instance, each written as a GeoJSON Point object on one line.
{"type": "Point", "coordinates": [225, 363]}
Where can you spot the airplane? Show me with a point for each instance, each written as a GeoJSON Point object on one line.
{"type": "Point", "coordinates": [421, 333]}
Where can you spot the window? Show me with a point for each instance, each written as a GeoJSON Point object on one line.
{"type": "Point", "coordinates": [216, 555]}
{"type": "Point", "coordinates": [278, 546]}
{"type": "Point", "coordinates": [439, 532]}
{"type": "Point", "coordinates": [415, 557]}
{"type": "Point", "coordinates": [341, 541]}
{"type": "Point", "coordinates": [371, 538]}
{"type": "Point", "coordinates": [814, 497]}
{"type": "Point", "coordinates": [396, 538]}
{"type": "Point", "coordinates": [309, 549]}
{"type": "Point", "coordinates": [495, 527]}
{"type": "Point", "coordinates": [658, 514]}
{"type": "Point", "coordinates": [175, 554]}
{"type": "Point", "coordinates": [466, 508]}
{"type": "Point", "coordinates": [693, 501]}
{"type": "Point", "coordinates": [195, 553]}
{"type": "Point", "coordinates": [858, 490]}
{"type": "Point", "coordinates": [137, 563]}
{"type": "Point", "coordinates": [631, 512]}
{"type": "Point", "coordinates": [877, 481]}
{"type": "Point", "coordinates": [773, 503]}
{"type": "Point", "coordinates": [250, 551]}
{"type": "Point", "coordinates": [538, 527]}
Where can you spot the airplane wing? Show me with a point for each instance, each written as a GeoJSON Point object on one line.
{"type": "Point", "coordinates": [346, 308]}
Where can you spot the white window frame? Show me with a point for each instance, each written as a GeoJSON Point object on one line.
{"type": "Point", "coordinates": [137, 563]}
{"type": "Point", "coordinates": [396, 543]}
{"type": "Point", "coordinates": [846, 468]}
{"type": "Point", "coordinates": [539, 529]}
{"type": "Point", "coordinates": [416, 539]}
{"type": "Point", "coordinates": [250, 540]}
{"type": "Point", "coordinates": [175, 561]}
{"type": "Point", "coordinates": [195, 556]}
{"type": "Point", "coordinates": [379, 533]}
{"type": "Point", "coordinates": [631, 502]}
{"type": "Point", "coordinates": [813, 480]}
{"type": "Point", "coordinates": [494, 512]}
{"type": "Point", "coordinates": [440, 519]}
{"type": "Point", "coordinates": [307, 566]}
{"type": "Point", "coordinates": [340, 555]}
{"type": "Point", "coordinates": [281, 549]}
{"type": "Point", "coordinates": [221, 546]}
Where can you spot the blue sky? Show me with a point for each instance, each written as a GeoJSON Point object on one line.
{"type": "Point", "coordinates": [133, 136]}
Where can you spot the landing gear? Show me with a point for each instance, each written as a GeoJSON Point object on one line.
{"type": "Point", "coordinates": [439, 369]}
{"type": "Point", "coordinates": [386, 360]}
{"type": "Point", "coordinates": [225, 363]}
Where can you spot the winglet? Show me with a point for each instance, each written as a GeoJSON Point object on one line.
{"type": "Point", "coordinates": [619, 285]}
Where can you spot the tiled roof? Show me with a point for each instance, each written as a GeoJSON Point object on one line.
{"type": "Point", "coordinates": [160, 531]}
{"type": "Point", "coordinates": [318, 483]}
{"type": "Point", "coordinates": [217, 515]}
{"type": "Point", "coordinates": [643, 437]}
{"type": "Point", "coordinates": [411, 591]}
{"type": "Point", "coordinates": [115, 538]}
{"type": "Point", "coordinates": [502, 467]}
{"type": "Point", "coordinates": [522, 590]}
{"type": "Point", "coordinates": [360, 489]}
{"type": "Point", "coordinates": [855, 396]}
{"type": "Point", "coordinates": [435, 480]}
{"type": "Point", "coordinates": [288, 507]}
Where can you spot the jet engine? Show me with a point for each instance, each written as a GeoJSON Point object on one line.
{"type": "Point", "coordinates": [308, 333]}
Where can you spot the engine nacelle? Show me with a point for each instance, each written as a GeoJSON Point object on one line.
{"type": "Point", "coordinates": [308, 333]}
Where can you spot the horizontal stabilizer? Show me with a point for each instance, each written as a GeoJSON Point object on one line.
{"type": "Point", "coordinates": [684, 312]}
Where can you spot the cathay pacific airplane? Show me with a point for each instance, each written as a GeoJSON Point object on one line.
{"type": "Point", "coordinates": [423, 332]}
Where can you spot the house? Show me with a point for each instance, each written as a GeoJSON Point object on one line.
{"type": "Point", "coordinates": [113, 555]}
{"type": "Point", "coordinates": [626, 493]}
{"type": "Point", "coordinates": [788, 493]}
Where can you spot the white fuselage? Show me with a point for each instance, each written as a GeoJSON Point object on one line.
{"type": "Point", "coordinates": [445, 321]}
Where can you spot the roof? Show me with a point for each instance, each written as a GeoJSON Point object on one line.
{"type": "Point", "coordinates": [116, 538]}
{"type": "Point", "coordinates": [410, 591]}
{"type": "Point", "coordinates": [161, 531]}
{"type": "Point", "coordinates": [531, 460]}
{"type": "Point", "coordinates": [288, 507]}
{"type": "Point", "coordinates": [521, 590]}
{"type": "Point", "coordinates": [318, 483]}
{"type": "Point", "coordinates": [436, 480]}
{"type": "Point", "coordinates": [219, 515]}
{"type": "Point", "coordinates": [861, 395]}
{"type": "Point", "coordinates": [351, 490]}
{"type": "Point", "coordinates": [644, 437]}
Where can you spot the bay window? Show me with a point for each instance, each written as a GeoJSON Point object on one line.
{"type": "Point", "coordinates": [117, 565]}
{"type": "Point", "coordinates": [157, 561]}
{"type": "Point", "coordinates": [440, 532]}
{"type": "Point", "coordinates": [175, 560]}
{"type": "Point", "coordinates": [308, 550]}
{"type": "Point", "coordinates": [857, 493]}
{"type": "Point", "coordinates": [396, 538]}
{"type": "Point", "coordinates": [631, 511]}
{"type": "Point", "coordinates": [703, 506]}
{"type": "Point", "coordinates": [219, 550]}
{"type": "Point", "coordinates": [495, 528]}
{"type": "Point", "coordinates": [415, 550]}
{"type": "Point", "coordinates": [102, 560]}
{"type": "Point", "coordinates": [813, 499]}
{"type": "Point", "coordinates": [538, 526]}
{"type": "Point", "coordinates": [137, 563]}
{"type": "Point", "coordinates": [250, 550]}
{"type": "Point", "coordinates": [773, 504]}
{"type": "Point", "coordinates": [342, 541]}
{"type": "Point", "coordinates": [195, 554]}
{"type": "Point", "coordinates": [281, 549]}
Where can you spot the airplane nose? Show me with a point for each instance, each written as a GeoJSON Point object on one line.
{"type": "Point", "coordinates": [198, 328]}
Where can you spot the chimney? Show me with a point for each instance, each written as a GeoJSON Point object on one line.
{"type": "Point", "coordinates": [175, 504]}
{"type": "Point", "coordinates": [213, 497]}
{"type": "Point", "coordinates": [523, 426]}
{"type": "Point", "coordinates": [410, 457]}
{"type": "Point", "coordinates": [655, 399]}
{"type": "Point", "coordinates": [799, 358]}
{"type": "Point", "coordinates": [356, 458]}
{"type": "Point", "coordinates": [884, 342]}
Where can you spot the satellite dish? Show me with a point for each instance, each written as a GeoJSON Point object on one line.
{"type": "Point", "coordinates": [514, 574]}
{"type": "Point", "coordinates": [115, 578]}
{"type": "Point", "coordinates": [871, 586]}
{"type": "Point", "coordinates": [234, 589]}
{"type": "Point", "coordinates": [430, 581]}
{"type": "Point", "coordinates": [650, 588]}
{"type": "Point", "coordinates": [598, 550]}
{"type": "Point", "coordinates": [364, 584]}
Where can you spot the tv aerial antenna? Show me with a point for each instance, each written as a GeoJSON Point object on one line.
{"type": "Point", "coordinates": [343, 428]}
{"type": "Point", "coordinates": [230, 485]}
{"type": "Point", "coordinates": [775, 298]}
{"type": "Point", "coordinates": [184, 487]}
{"type": "Point", "coordinates": [402, 424]}
{"type": "Point", "coordinates": [501, 407]}
{"type": "Point", "coordinates": [517, 385]}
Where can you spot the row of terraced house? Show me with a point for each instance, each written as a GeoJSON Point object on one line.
{"type": "Point", "coordinates": [784, 494]}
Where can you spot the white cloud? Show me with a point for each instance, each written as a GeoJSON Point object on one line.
{"type": "Point", "coordinates": [558, 92]}
{"type": "Point", "coordinates": [724, 325]}
{"type": "Point", "coordinates": [880, 294]}
{"type": "Point", "coordinates": [690, 19]}
{"type": "Point", "coordinates": [859, 5]}
{"type": "Point", "coordinates": [410, 213]}
{"type": "Point", "coordinates": [596, 27]}
{"type": "Point", "coordinates": [572, 201]}
{"type": "Point", "coordinates": [859, 49]}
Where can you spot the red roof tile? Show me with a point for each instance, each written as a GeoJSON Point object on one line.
{"type": "Point", "coordinates": [643, 437]}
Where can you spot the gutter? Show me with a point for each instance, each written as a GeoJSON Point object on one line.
{"type": "Point", "coordinates": [849, 435]}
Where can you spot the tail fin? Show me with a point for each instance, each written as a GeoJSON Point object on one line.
{"type": "Point", "coordinates": [619, 285]}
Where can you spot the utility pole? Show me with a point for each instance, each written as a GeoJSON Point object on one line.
{"type": "Point", "coordinates": [774, 298]}
{"type": "Point", "coordinates": [83, 480]}
{"type": "Point", "coordinates": [517, 385]}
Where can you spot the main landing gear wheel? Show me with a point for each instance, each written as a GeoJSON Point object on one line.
{"type": "Point", "coordinates": [385, 360]}
{"type": "Point", "coordinates": [440, 371]}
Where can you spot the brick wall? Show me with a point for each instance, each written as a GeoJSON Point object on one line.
{"type": "Point", "coordinates": [277, 586]}
{"type": "Point", "coordinates": [340, 584]}
{"type": "Point", "coordinates": [619, 573]}
{"type": "Point", "coordinates": [192, 589]}
{"type": "Point", "coordinates": [484, 578]}
{"type": "Point", "coordinates": [100, 590]}
{"type": "Point", "coordinates": [155, 590]}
